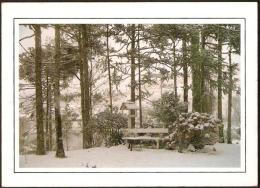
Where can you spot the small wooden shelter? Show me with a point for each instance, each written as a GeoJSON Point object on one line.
{"type": "Point", "coordinates": [129, 105]}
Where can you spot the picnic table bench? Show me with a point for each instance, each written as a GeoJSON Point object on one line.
{"type": "Point", "coordinates": [141, 134]}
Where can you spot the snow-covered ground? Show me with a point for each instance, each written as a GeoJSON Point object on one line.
{"type": "Point", "coordinates": [226, 155]}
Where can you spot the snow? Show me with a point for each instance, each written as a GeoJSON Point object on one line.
{"type": "Point", "coordinates": [225, 156]}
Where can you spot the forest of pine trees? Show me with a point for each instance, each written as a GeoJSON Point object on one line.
{"type": "Point", "coordinates": [200, 60]}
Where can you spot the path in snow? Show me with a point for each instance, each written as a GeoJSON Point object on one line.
{"type": "Point", "coordinates": [227, 155]}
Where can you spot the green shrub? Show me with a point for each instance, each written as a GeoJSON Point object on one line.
{"type": "Point", "coordinates": [107, 125]}
{"type": "Point", "coordinates": [167, 108]}
{"type": "Point", "coordinates": [115, 138]}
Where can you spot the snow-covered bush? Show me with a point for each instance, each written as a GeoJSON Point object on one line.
{"type": "Point", "coordinates": [167, 108]}
{"type": "Point", "coordinates": [107, 125]}
{"type": "Point", "coordinates": [27, 136]}
{"type": "Point", "coordinates": [196, 129]}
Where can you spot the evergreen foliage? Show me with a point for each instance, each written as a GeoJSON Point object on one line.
{"type": "Point", "coordinates": [108, 126]}
{"type": "Point", "coordinates": [167, 108]}
{"type": "Point", "coordinates": [198, 58]}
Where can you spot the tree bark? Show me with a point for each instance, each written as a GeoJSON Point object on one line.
{"type": "Point", "coordinates": [82, 81]}
{"type": "Point", "coordinates": [87, 135]}
{"type": "Point", "coordinates": [211, 99]}
{"type": "Point", "coordinates": [139, 78]}
{"type": "Point", "coordinates": [47, 113]}
{"type": "Point", "coordinates": [133, 84]}
{"type": "Point", "coordinates": [185, 71]}
{"type": "Point", "coordinates": [229, 139]}
{"type": "Point", "coordinates": [40, 149]}
{"type": "Point", "coordinates": [50, 117]}
{"type": "Point", "coordinates": [196, 73]}
{"type": "Point", "coordinates": [175, 72]}
{"type": "Point", "coordinates": [219, 85]}
{"type": "Point", "coordinates": [59, 140]}
{"type": "Point", "coordinates": [109, 73]}
{"type": "Point", "coordinates": [206, 94]}
{"type": "Point", "coordinates": [204, 101]}
{"type": "Point", "coordinates": [90, 88]}
{"type": "Point", "coordinates": [67, 136]}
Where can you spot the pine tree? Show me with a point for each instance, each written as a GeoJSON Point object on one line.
{"type": "Point", "coordinates": [50, 118]}
{"type": "Point", "coordinates": [233, 43]}
{"type": "Point", "coordinates": [203, 74]}
{"type": "Point", "coordinates": [82, 80]}
{"type": "Point", "coordinates": [139, 77]}
{"type": "Point", "coordinates": [109, 69]}
{"type": "Point", "coordinates": [229, 140]}
{"type": "Point", "coordinates": [196, 70]}
{"type": "Point", "coordinates": [47, 120]}
{"type": "Point", "coordinates": [59, 140]}
{"type": "Point", "coordinates": [174, 70]}
{"type": "Point", "coordinates": [207, 69]}
{"type": "Point", "coordinates": [133, 67]}
{"type": "Point", "coordinates": [185, 70]}
{"type": "Point", "coordinates": [219, 81]}
{"type": "Point", "coordinates": [87, 135]}
{"type": "Point", "coordinates": [40, 149]}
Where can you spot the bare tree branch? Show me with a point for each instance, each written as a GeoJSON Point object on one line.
{"type": "Point", "coordinates": [23, 47]}
{"type": "Point", "coordinates": [27, 37]}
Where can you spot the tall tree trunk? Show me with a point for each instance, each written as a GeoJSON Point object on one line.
{"type": "Point", "coordinates": [90, 88]}
{"type": "Point", "coordinates": [161, 86]}
{"type": "Point", "coordinates": [196, 73]}
{"type": "Point", "coordinates": [139, 78]}
{"type": "Point", "coordinates": [229, 139]}
{"type": "Point", "coordinates": [109, 74]}
{"type": "Point", "coordinates": [67, 136]}
{"type": "Point", "coordinates": [59, 140]}
{"type": "Point", "coordinates": [87, 135]}
{"type": "Point", "coordinates": [175, 71]}
{"type": "Point", "coordinates": [50, 117]}
{"type": "Point", "coordinates": [204, 97]}
{"type": "Point", "coordinates": [82, 81]}
{"type": "Point", "coordinates": [219, 83]}
{"type": "Point", "coordinates": [40, 149]}
{"type": "Point", "coordinates": [133, 84]}
{"type": "Point", "coordinates": [185, 71]}
{"type": "Point", "coordinates": [47, 113]}
{"type": "Point", "coordinates": [211, 99]}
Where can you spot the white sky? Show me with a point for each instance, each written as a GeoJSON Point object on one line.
{"type": "Point", "coordinates": [47, 35]}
